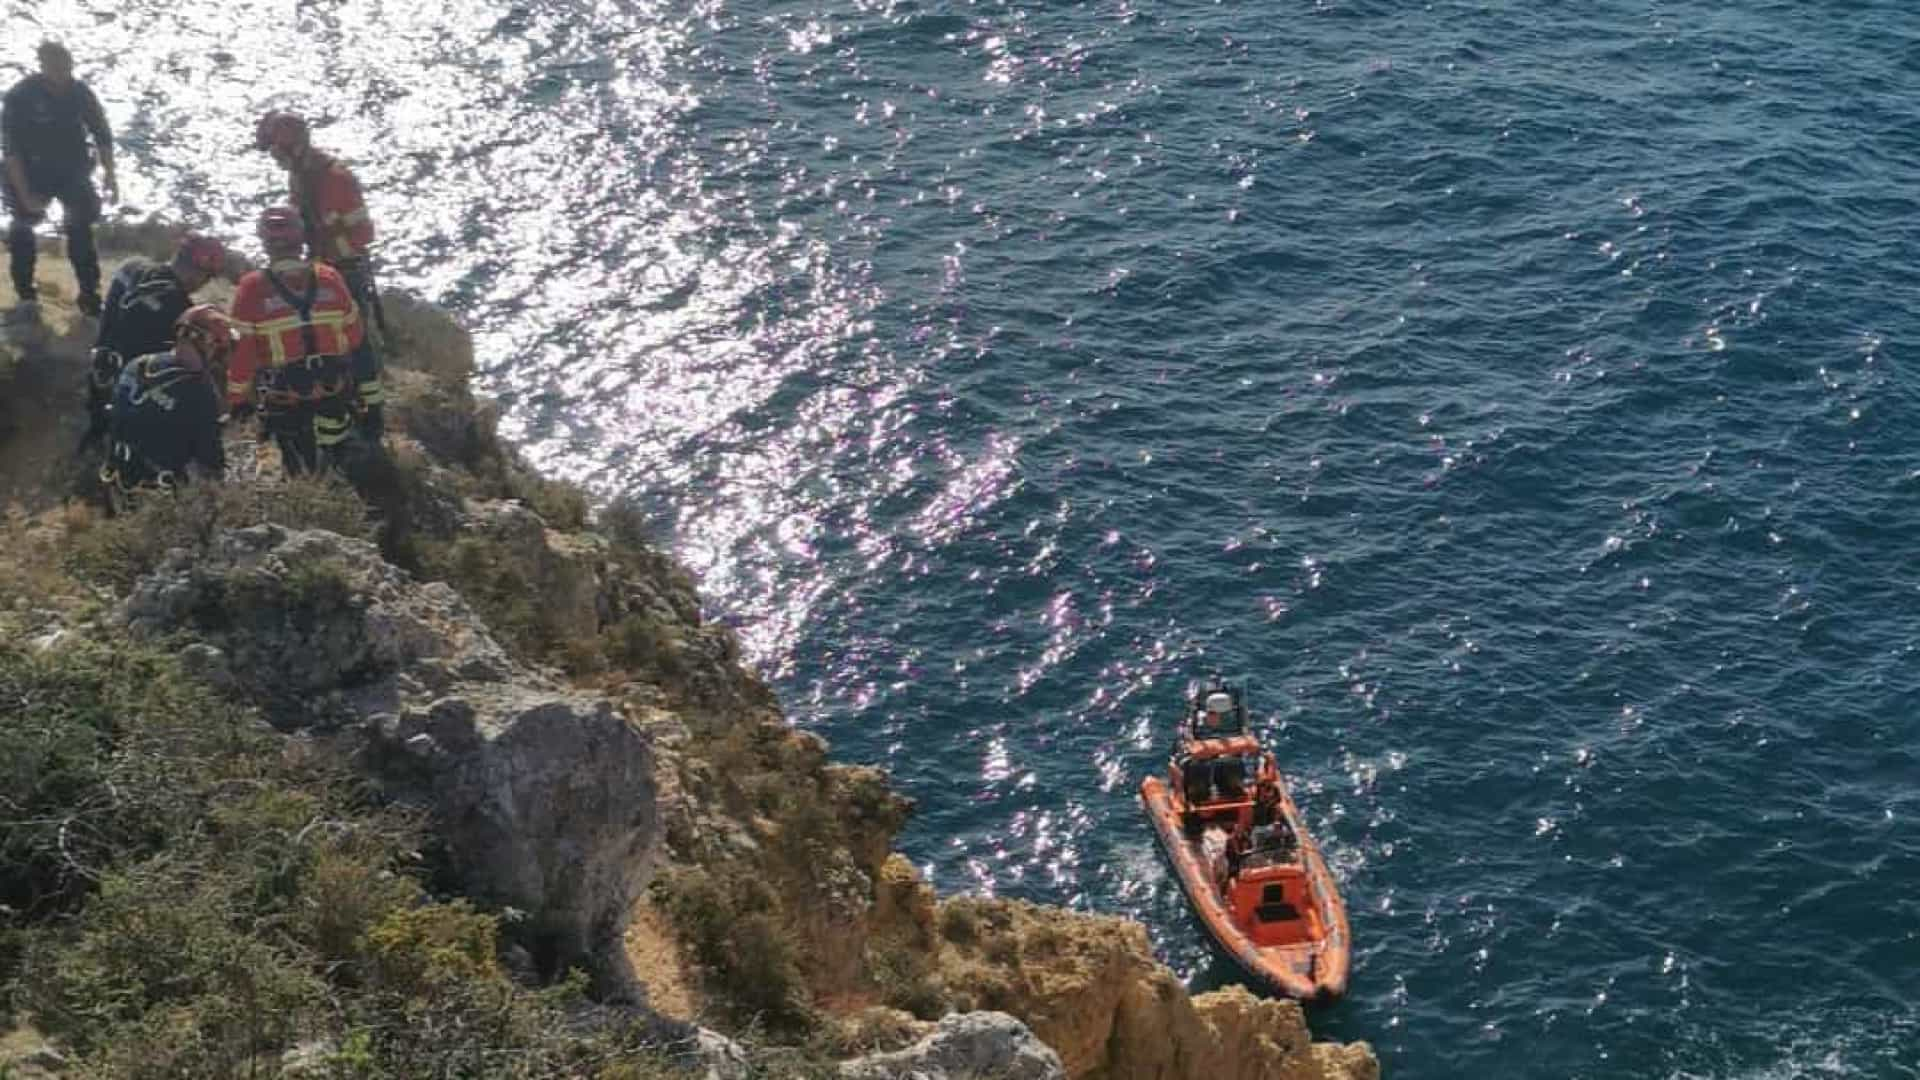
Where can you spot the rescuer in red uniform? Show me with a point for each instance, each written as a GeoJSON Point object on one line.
{"type": "Point", "coordinates": [299, 333]}
{"type": "Point", "coordinates": [339, 232]}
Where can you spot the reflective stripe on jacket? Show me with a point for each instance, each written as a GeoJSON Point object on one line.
{"type": "Point", "coordinates": [274, 332]}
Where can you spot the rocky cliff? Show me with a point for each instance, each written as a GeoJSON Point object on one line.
{"type": "Point", "coordinates": [596, 765]}
{"type": "Point", "coordinates": [543, 796]}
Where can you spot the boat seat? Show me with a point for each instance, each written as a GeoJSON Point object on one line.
{"type": "Point", "coordinates": [1232, 786]}
{"type": "Point", "coordinates": [1277, 837]}
{"type": "Point", "coordinates": [1277, 912]}
{"type": "Point", "coordinates": [1198, 778]}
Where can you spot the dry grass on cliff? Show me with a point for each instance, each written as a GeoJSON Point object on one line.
{"type": "Point", "coordinates": [32, 575]}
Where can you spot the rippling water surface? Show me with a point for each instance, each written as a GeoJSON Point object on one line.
{"type": "Point", "coordinates": [1517, 396]}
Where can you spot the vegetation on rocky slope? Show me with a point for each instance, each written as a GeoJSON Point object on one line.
{"type": "Point", "coordinates": [187, 893]}
{"type": "Point", "coordinates": [184, 890]}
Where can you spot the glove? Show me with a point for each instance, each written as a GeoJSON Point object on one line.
{"type": "Point", "coordinates": [106, 365]}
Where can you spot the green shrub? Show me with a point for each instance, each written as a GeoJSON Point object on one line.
{"type": "Point", "coordinates": [495, 579]}
{"type": "Point", "coordinates": [560, 504]}
{"type": "Point", "coordinates": [119, 551]}
{"type": "Point", "coordinates": [442, 417]}
{"type": "Point", "coordinates": [161, 950]}
{"type": "Point", "coordinates": [959, 924]}
{"type": "Point", "coordinates": [641, 642]}
{"type": "Point", "coordinates": [906, 979]}
{"type": "Point", "coordinates": [415, 952]}
{"type": "Point", "coordinates": [1003, 949]}
{"type": "Point", "coordinates": [450, 424]}
{"type": "Point", "coordinates": [487, 573]}
{"type": "Point", "coordinates": [100, 750]}
{"type": "Point", "coordinates": [412, 505]}
{"type": "Point", "coordinates": [319, 587]}
{"type": "Point", "coordinates": [623, 521]}
{"type": "Point", "coordinates": [31, 574]}
{"type": "Point", "coordinates": [187, 894]}
{"type": "Point", "coordinates": [343, 895]}
{"type": "Point", "coordinates": [728, 918]}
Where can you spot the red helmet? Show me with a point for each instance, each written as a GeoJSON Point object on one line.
{"type": "Point", "coordinates": [207, 329]}
{"type": "Point", "coordinates": [281, 230]}
{"type": "Point", "coordinates": [280, 130]}
{"type": "Point", "coordinates": [203, 253]}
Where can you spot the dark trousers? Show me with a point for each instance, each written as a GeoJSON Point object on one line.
{"type": "Point", "coordinates": [358, 275]}
{"type": "Point", "coordinates": [81, 205]}
{"type": "Point", "coordinates": [370, 396]}
{"type": "Point", "coordinates": [307, 407]}
{"type": "Point", "coordinates": [370, 393]}
{"type": "Point", "coordinates": [105, 372]}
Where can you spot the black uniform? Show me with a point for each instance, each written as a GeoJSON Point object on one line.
{"type": "Point", "coordinates": [165, 417]}
{"type": "Point", "coordinates": [143, 303]}
{"type": "Point", "coordinates": [48, 132]}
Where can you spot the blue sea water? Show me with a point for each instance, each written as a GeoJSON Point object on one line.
{"type": "Point", "coordinates": [1516, 395]}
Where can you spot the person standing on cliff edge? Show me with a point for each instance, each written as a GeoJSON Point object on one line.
{"type": "Point", "coordinates": [339, 232]}
{"type": "Point", "coordinates": [44, 123]}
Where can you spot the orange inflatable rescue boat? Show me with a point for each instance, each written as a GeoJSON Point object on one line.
{"type": "Point", "coordinates": [1254, 877]}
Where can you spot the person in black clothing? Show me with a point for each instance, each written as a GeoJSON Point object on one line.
{"type": "Point", "coordinates": [44, 122]}
{"type": "Point", "coordinates": [165, 417]}
{"type": "Point", "coordinates": [143, 303]}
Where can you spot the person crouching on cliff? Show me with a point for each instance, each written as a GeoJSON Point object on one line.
{"type": "Point", "coordinates": [299, 332]}
{"type": "Point", "coordinates": [143, 304]}
{"type": "Point", "coordinates": [165, 415]}
{"type": "Point", "coordinates": [45, 121]}
{"type": "Point", "coordinates": [339, 233]}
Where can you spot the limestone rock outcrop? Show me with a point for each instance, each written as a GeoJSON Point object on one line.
{"type": "Point", "coordinates": [965, 1045]}
{"type": "Point", "coordinates": [1161, 1033]}
{"type": "Point", "coordinates": [564, 568]}
{"type": "Point", "coordinates": [543, 796]}
{"type": "Point", "coordinates": [1090, 988]}
{"type": "Point", "coordinates": [304, 617]}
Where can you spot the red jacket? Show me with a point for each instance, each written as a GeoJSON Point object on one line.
{"type": "Point", "coordinates": [274, 333]}
{"type": "Point", "coordinates": [329, 200]}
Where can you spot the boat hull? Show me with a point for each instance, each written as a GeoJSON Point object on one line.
{"type": "Point", "coordinates": [1308, 971]}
